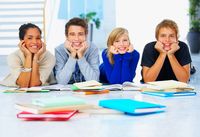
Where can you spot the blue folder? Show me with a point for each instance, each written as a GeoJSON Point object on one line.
{"type": "Point", "coordinates": [170, 94]}
{"type": "Point", "coordinates": [130, 106]}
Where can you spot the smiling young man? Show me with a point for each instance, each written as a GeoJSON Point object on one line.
{"type": "Point", "coordinates": [32, 64]}
{"type": "Point", "coordinates": [77, 60]}
{"type": "Point", "coordinates": [167, 58]}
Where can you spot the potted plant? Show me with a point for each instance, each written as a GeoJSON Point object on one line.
{"type": "Point", "coordinates": [91, 18]}
{"type": "Point", "coordinates": [193, 36]}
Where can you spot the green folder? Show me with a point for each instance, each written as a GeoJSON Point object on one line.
{"type": "Point", "coordinates": [58, 101]}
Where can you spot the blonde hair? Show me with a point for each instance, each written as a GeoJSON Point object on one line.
{"type": "Point", "coordinates": [114, 35]}
{"type": "Point", "coordinates": [167, 23]}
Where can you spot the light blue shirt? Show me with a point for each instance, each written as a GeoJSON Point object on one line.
{"type": "Point", "coordinates": [65, 67]}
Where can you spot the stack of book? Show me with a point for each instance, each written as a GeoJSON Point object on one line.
{"type": "Point", "coordinates": [168, 88]}
{"type": "Point", "coordinates": [89, 88]}
{"type": "Point", "coordinates": [54, 108]}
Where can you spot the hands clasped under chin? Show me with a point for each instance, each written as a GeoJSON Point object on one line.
{"type": "Point", "coordinates": [160, 47]}
{"type": "Point", "coordinates": [27, 52]}
{"type": "Point", "coordinates": [115, 50]}
{"type": "Point", "coordinates": [74, 52]}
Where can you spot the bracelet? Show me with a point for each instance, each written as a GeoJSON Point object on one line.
{"type": "Point", "coordinates": [26, 69]}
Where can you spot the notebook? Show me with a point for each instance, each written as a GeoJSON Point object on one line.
{"type": "Point", "coordinates": [39, 110]}
{"type": "Point", "coordinates": [58, 101]}
{"type": "Point", "coordinates": [53, 116]}
{"type": "Point", "coordinates": [130, 106]}
{"type": "Point", "coordinates": [170, 94]}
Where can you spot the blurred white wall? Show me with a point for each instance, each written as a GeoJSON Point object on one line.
{"type": "Point", "coordinates": [140, 17]}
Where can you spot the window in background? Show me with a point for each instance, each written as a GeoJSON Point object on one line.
{"type": "Point", "coordinates": [73, 8]}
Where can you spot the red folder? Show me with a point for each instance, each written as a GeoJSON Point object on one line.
{"type": "Point", "coordinates": [53, 116]}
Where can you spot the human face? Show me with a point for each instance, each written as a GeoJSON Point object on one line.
{"type": "Point", "coordinates": [167, 37]}
{"type": "Point", "coordinates": [76, 35]}
{"type": "Point", "coordinates": [32, 40]}
{"type": "Point", "coordinates": [122, 44]}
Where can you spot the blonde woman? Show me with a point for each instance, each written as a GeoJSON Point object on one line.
{"type": "Point", "coordinates": [31, 65]}
{"type": "Point", "coordinates": [120, 59]}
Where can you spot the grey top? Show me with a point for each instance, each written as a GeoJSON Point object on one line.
{"type": "Point", "coordinates": [66, 66]}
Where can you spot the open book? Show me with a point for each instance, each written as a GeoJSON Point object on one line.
{"type": "Point", "coordinates": [128, 86]}
{"type": "Point", "coordinates": [23, 90]}
{"type": "Point", "coordinates": [57, 87]}
{"type": "Point", "coordinates": [167, 85]}
{"type": "Point", "coordinates": [87, 85]}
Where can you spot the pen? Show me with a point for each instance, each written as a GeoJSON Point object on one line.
{"type": "Point", "coordinates": [51, 89]}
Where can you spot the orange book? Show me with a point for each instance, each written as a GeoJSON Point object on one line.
{"type": "Point", "coordinates": [91, 92]}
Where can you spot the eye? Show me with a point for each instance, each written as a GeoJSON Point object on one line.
{"type": "Point", "coordinates": [172, 36]}
{"type": "Point", "coordinates": [81, 34]}
{"type": "Point", "coordinates": [71, 34]}
{"type": "Point", "coordinates": [162, 35]}
{"type": "Point", "coordinates": [117, 41]}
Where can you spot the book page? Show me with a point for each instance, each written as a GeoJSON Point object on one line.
{"type": "Point", "coordinates": [90, 83]}
{"type": "Point", "coordinates": [130, 86]}
{"type": "Point", "coordinates": [113, 87]}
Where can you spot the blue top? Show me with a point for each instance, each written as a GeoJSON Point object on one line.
{"type": "Point", "coordinates": [122, 70]}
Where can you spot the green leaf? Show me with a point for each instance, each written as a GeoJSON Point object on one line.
{"type": "Point", "coordinates": [90, 17]}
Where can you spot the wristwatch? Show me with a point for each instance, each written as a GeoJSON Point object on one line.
{"type": "Point", "coordinates": [26, 69]}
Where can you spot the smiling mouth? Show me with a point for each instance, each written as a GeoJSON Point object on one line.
{"type": "Point", "coordinates": [34, 47]}
{"type": "Point", "coordinates": [122, 49]}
